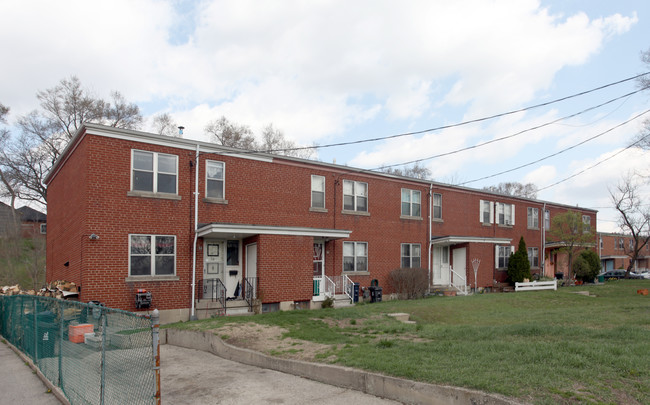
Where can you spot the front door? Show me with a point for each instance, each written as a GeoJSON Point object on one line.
{"type": "Point", "coordinates": [441, 265]}
{"type": "Point", "coordinates": [460, 266]}
{"type": "Point", "coordinates": [214, 259]}
{"type": "Point", "coordinates": [251, 268]}
{"type": "Point", "coordinates": [319, 260]}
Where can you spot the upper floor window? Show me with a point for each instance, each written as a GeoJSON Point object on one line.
{"type": "Point", "coordinates": [43, 228]}
{"type": "Point", "coordinates": [214, 179]}
{"type": "Point", "coordinates": [355, 196]}
{"type": "Point", "coordinates": [410, 255]}
{"type": "Point", "coordinates": [630, 245]}
{"type": "Point", "coordinates": [586, 221]}
{"type": "Point", "coordinates": [601, 242]}
{"type": "Point", "coordinates": [154, 172]}
{"type": "Point", "coordinates": [355, 256]}
{"type": "Point", "coordinates": [533, 218]}
{"type": "Point", "coordinates": [621, 244]}
{"type": "Point", "coordinates": [317, 191]}
{"type": "Point", "coordinates": [437, 206]}
{"type": "Point", "coordinates": [152, 255]}
{"type": "Point", "coordinates": [533, 256]}
{"type": "Point", "coordinates": [547, 219]}
{"type": "Point", "coordinates": [505, 214]}
{"type": "Point", "coordinates": [486, 211]}
{"type": "Point", "coordinates": [410, 203]}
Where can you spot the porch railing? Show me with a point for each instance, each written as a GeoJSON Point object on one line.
{"type": "Point", "coordinates": [458, 281]}
{"type": "Point", "coordinates": [215, 290]}
{"type": "Point", "coordinates": [329, 287]}
{"type": "Point", "coordinates": [342, 285]}
{"type": "Point", "coordinates": [250, 291]}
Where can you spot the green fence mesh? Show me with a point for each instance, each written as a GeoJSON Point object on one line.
{"type": "Point", "coordinates": [96, 355]}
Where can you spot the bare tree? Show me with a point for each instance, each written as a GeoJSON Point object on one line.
{"type": "Point", "coordinates": [274, 141]}
{"type": "Point", "coordinates": [417, 171]}
{"type": "Point", "coordinates": [226, 133]}
{"type": "Point", "coordinates": [164, 124]}
{"type": "Point", "coordinates": [634, 216]}
{"type": "Point", "coordinates": [528, 190]}
{"type": "Point", "coordinates": [643, 137]}
{"type": "Point", "coordinates": [44, 133]}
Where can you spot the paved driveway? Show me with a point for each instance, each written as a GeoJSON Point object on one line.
{"type": "Point", "coordinates": [194, 377]}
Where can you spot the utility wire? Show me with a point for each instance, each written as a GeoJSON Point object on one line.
{"type": "Point", "coordinates": [562, 151]}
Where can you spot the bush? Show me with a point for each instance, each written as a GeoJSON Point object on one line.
{"type": "Point", "coordinates": [328, 303]}
{"type": "Point", "coordinates": [518, 264]}
{"type": "Point", "coordinates": [409, 283]}
{"type": "Point", "coordinates": [588, 265]}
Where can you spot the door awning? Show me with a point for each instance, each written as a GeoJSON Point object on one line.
{"type": "Point", "coordinates": [237, 231]}
{"type": "Point", "coordinates": [455, 240]}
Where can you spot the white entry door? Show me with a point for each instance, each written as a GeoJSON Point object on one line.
{"type": "Point", "coordinates": [214, 259]}
{"type": "Point", "coordinates": [319, 270]}
{"type": "Point", "coordinates": [251, 267]}
{"type": "Point", "coordinates": [441, 265]}
{"type": "Point", "coordinates": [460, 266]}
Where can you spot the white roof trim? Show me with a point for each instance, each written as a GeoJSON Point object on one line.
{"type": "Point", "coordinates": [249, 230]}
{"type": "Point", "coordinates": [453, 240]}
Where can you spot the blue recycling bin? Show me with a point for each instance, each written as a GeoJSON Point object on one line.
{"type": "Point", "coordinates": [355, 292]}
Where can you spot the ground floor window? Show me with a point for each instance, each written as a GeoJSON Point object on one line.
{"type": "Point", "coordinates": [503, 256]}
{"type": "Point", "coordinates": [411, 255]}
{"type": "Point", "coordinates": [355, 256]}
{"type": "Point", "coordinates": [152, 255]}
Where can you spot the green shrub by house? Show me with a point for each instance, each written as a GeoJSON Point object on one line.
{"type": "Point", "coordinates": [518, 264]}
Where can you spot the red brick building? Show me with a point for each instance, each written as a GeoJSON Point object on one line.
{"type": "Point", "coordinates": [130, 210]}
{"type": "Point", "coordinates": [615, 252]}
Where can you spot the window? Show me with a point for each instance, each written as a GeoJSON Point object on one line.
{"type": "Point", "coordinates": [437, 206]}
{"type": "Point", "coordinates": [503, 256]}
{"type": "Point", "coordinates": [355, 256]}
{"type": "Point", "coordinates": [621, 244]}
{"type": "Point", "coordinates": [630, 245]}
{"type": "Point", "coordinates": [317, 191]}
{"type": "Point", "coordinates": [586, 224]}
{"type": "Point", "coordinates": [533, 256]}
{"type": "Point", "coordinates": [486, 211]}
{"type": "Point", "coordinates": [601, 242]}
{"type": "Point", "coordinates": [505, 214]}
{"type": "Point", "coordinates": [214, 179]}
{"type": "Point", "coordinates": [533, 218]}
{"type": "Point", "coordinates": [154, 172]}
{"type": "Point", "coordinates": [547, 220]}
{"type": "Point", "coordinates": [410, 255]}
{"type": "Point", "coordinates": [43, 228]}
{"type": "Point", "coordinates": [355, 196]}
{"type": "Point", "coordinates": [232, 253]}
{"type": "Point", "coordinates": [410, 203]}
{"type": "Point", "coordinates": [152, 255]}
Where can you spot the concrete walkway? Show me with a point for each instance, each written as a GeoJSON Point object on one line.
{"type": "Point", "coordinates": [18, 383]}
{"type": "Point", "coordinates": [190, 376]}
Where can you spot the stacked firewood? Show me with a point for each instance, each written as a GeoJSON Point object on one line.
{"type": "Point", "coordinates": [56, 289]}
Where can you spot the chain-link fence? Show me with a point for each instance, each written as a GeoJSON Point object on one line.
{"type": "Point", "coordinates": [96, 355]}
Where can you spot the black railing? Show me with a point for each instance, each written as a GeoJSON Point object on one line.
{"type": "Point", "coordinates": [250, 291]}
{"type": "Point", "coordinates": [215, 290]}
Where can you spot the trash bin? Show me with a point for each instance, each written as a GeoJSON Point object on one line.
{"type": "Point", "coordinates": [559, 276]}
{"type": "Point", "coordinates": [375, 293]}
{"type": "Point", "coordinates": [355, 292]}
{"type": "Point", "coordinates": [47, 334]}
{"type": "Point", "coordinates": [601, 278]}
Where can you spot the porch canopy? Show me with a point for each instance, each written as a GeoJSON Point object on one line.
{"type": "Point", "coordinates": [455, 240]}
{"type": "Point", "coordinates": [238, 231]}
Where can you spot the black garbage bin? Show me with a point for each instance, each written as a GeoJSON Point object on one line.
{"type": "Point", "coordinates": [375, 293]}
{"type": "Point", "coordinates": [559, 276]}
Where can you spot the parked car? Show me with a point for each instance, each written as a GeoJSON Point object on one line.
{"type": "Point", "coordinates": [640, 275]}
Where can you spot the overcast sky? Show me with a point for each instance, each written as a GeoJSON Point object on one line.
{"type": "Point", "coordinates": [338, 71]}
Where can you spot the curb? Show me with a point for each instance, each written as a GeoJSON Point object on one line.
{"type": "Point", "coordinates": [398, 389]}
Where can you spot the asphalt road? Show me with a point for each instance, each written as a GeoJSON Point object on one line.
{"type": "Point", "coordinates": [194, 377]}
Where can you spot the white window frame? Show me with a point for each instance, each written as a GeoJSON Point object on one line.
{"type": "Point", "coordinates": [155, 171]}
{"type": "Point", "coordinates": [483, 211]}
{"type": "Point", "coordinates": [533, 217]}
{"type": "Point", "coordinates": [43, 229]}
{"type": "Point", "coordinates": [505, 214]}
{"type": "Point", "coordinates": [356, 256]}
{"type": "Point", "coordinates": [152, 255]}
{"type": "Point", "coordinates": [547, 219]}
{"type": "Point", "coordinates": [356, 195]}
{"type": "Point", "coordinates": [313, 190]}
{"type": "Point", "coordinates": [586, 224]}
{"type": "Point", "coordinates": [533, 256]}
{"type": "Point", "coordinates": [439, 206]}
{"type": "Point", "coordinates": [412, 196]}
{"type": "Point", "coordinates": [502, 252]}
{"type": "Point", "coordinates": [208, 179]}
{"type": "Point", "coordinates": [407, 254]}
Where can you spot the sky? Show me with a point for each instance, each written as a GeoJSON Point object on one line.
{"type": "Point", "coordinates": [327, 72]}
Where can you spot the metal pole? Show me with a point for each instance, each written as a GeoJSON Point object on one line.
{"type": "Point", "coordinates": [103, 386]}
{"type": "Point", "coordinates": [35, 331]}
{"type": "Point", "coordinates": [61, 323]}
{"type": "Point", "coordinates": [155, 334]}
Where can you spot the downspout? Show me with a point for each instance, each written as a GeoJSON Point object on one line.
{"type": "Point", "coordinates": [196, 235]}
{"type": "Point", "coordinates": [430, 230]}
{"type": "Point", "coordinates": [543, 258]}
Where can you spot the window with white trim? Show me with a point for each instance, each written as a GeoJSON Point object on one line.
{"type": "Point", "coordinates": [486, 211]}
{"type": "Point", "coordinates": [154, 172]}
{"type": "Point", "coordinates": [214, 179]}
{"type": "Point", "coordinates": [152, 255]}
{"type": "Point", "coordinates": [503, 256]}
{"type": "Point", "coordinates": [355, 256]}
{"type": "Point", "coordinates": [410, 255]}
{"type": "Point", "coordinates": [317, 191]}
{"type": "Point", "coordinates": [586, 224]}
{"type": "Point", "coordinates": [355, 196]}
{"type": "Point", "coordinates": [437, 206]}
{"type": "Point", "coordinates": [505, 214]}
{"type": "Point", "coordinates": [601, 242]}
{"type": "Point", "coordinates": [621, 244]}
{"type": "Point", "coordinates": [533, 256]}
{"type": "Point", "coordinates": [411, 203]}
{"type": "Point", "coordinates": [547, 219]}
{"type": "Point", "coordinates": [533, 218]}
{"type": "Point", "coordinates": [43, 229]}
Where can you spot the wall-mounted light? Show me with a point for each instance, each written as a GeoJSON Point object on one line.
{"type": "Point", "coordinates": [94, 236]}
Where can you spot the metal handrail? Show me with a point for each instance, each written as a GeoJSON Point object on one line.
{"type": "Point", "coordinates": [250, 291]}
{"type": "Point", "coordinates": [347, 286]}
{"type": "Point", "coordinates": [329, 287]}
{"type": "Point", "coordinates": [215, 290]}
{"type": "Point", "coordinates": [456, 285]}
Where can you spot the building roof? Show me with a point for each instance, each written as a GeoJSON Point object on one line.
{"type": "Point", "coordinates": [28, 214]}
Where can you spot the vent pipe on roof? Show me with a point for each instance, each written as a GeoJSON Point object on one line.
{"type": "Point", "coordinates": [180, 130]}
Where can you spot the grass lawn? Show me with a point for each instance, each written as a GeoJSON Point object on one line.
{"type": "Point", "coordinates": [544, 347]}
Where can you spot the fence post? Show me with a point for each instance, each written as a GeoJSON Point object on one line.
{"type": "Point", "coordinates": [155, 331]}
{"type": "Point", "coordinates": [35, 331]}
{"type": "Point", "coordinates": [61, 324]}
{"type": "Point", "coordinates": [103, 388]}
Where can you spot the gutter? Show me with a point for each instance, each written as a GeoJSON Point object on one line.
{"type": "Point", "coordinates": [430, 231]}
{"type": "Point", "coordinates": [196, 235]}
